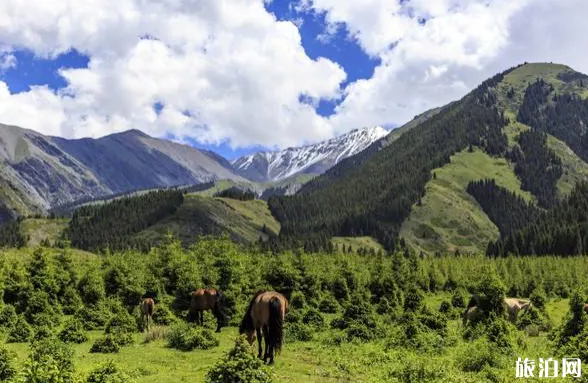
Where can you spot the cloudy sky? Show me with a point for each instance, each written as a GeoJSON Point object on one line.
{"type": "Point", "coordinates": [239, 75]}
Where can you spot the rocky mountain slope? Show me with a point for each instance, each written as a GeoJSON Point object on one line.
{"type": "Point", "coordinates": [38, 172]}
{"type": "Point", "coordinates": [309, 159]}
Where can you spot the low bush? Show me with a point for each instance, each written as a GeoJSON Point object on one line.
{"type": "Point", "coordinates": [445, 307]}
{"type": "Point", "coordinates": [8, 316]}
{"type": "Point", "coordinates": [163, 316]}
{"type": "Point", "coordinates": [73, 332]}
{"type": "Point", "coordinates": [328, 305]}
{"type": "Point", "coordinates": [314, 319]}
{"type": "Point", "coordinates": [187, 338]}
{"type": "Point", "coordinates": [293, 316]}
{"type": "Point", "coordinates": [297, 300]}
{"type": "Point", "coordinates": [94, 317]}
{"type": "Point", "coordinates": [42, 332]}
{"type": "Point", "coordinates": [50, 361]}
{"type": "Point", "coordinates": [298, 332]}
{"type": "Point", "coordinates": [239, 366]}
{"type": "Point", "coordinates": [7, 364]}
{"type": "Point", "coordinates": [108, 344]}
{"type": "Point", "coordinates": [108, 373]}
{"type": "Point", "coordinates": [478, 355]}
{"type": "Point", "coordinates": [21, 332]}
{"type": "Point", "coordinates": [122, 326]}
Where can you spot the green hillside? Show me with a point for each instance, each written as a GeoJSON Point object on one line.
{"type": "Point", "coordinates": [357, 243]}
{"type": "Point", "coordinates": [527, 127]}
{"type": "Point", "coordinates": [38, 229]}
{"type": "Point", "coordinates": [201, 215]}
{"type": "Point", "coordinates": [448, 218]}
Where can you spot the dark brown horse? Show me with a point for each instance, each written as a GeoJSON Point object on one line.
{"type": "Point", "coordinates": [207, 299]}
{"type": "Point", "coordinates": [147, 309]}
{"type": "Point", "coordinates": [265, 314]}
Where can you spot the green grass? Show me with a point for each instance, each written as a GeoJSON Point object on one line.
{"type": "Point", "coordinates": [449, 218]}
{"type": "Point", "coordinates": [43, 228]}
{"type": "Point", "coordinates": [574, 169]}
{"type": "Point", "coordinates": [357, 242]}
{"type": "Point", "coordinates": [299, 362]}
{"type": "Point", "coordinates": [243, 220]}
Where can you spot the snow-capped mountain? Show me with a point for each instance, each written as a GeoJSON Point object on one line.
{"type": "Point", "coordinates": [308, 159]}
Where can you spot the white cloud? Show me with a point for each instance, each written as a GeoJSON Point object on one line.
{"type": "Point", "coordinates": [228, 70]}
{"type": "Point", "coordinates": [223, 70]}
{"type": "Point", "coordinates": [7, 61]}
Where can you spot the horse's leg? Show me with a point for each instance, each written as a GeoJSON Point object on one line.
{"type": "Point", "coordinates": [267, 338]}
{"type": "Point", "coordinates": [258, 331]}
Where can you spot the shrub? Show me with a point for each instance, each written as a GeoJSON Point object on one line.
{"type": "Point", "coordinates": [122, 326]}
{"type": "Point", "coordinates": [239, 366]}
{"type": "Point", "coordinates": [91, 287]}
{"type": "Point", "coordinates": [73, 332]}
{"type": "Point", "coordinates": [42, 332]}
{"type": "Point", "coordinates": [445, 307]}
{"type": "Point", "coordinates": [7, 368]}
{"type": "Point", "coordinates": [478, 355]}
{"type": "Point", "coordinates": [457, 299]}
{"type": "Point", "coordinates": [50, 361]}
{"type": "Point", "coordinates": [328, 305]}
{"type": "Point", "coordinates": [40, 312]}
{"type": "Point", "coordinates": [298, 332]}
{"type": "Point", "coordinates": [106, 345]}
{"type": "Point", "coordinates": [314, 319]}
{"type": "Point", "coordinates": [293, 316]}
{"type": "Point", "coordinates": [163, 316]}
{"type": "Point", "coordinates": [21, 332]}
{"type": "Point", "coordinates": [297, 300]}
{"type": "Point", "coordinates": [187, 338]}
{"type": "Point", "coordinates": [71, 301]}
{"type": "Point", "coordinates": [413, 300]}
{"type": "Point", "coordinates": [532, 330]}
{"type": "Point", "coordinates": [94, 317]}
{"type": "Point", "coordinates": [340, 289]}
{"type": "Point", "coordinates": [539, 299]}
{"type": "Point", "coordinates": [108, 373]}
{"type": "Point", "coordinates": [8, 316]}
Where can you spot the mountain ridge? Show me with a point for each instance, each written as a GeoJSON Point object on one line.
{"type": "Point", "coordinates": [307, 159]}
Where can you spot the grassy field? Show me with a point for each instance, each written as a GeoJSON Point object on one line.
{"type": "Point", "coordinates": [448, 217]}
{"type": "Point", "coordinates": [299, 362]}
{"type": "Point", "coordinates": [574, 169]}
{"type": "Point", "coordinates": [357, 242]}
{"type": "Point", "coordinates": [39, 229]}
{"type": "Point", "coordinates": [200, 215]}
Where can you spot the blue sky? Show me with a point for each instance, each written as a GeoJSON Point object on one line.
{"type": "Point", "coordinates": [32, 70]}
{"type": "Point", "coordinates": [240, 76]}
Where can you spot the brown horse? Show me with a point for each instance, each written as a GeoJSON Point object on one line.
{"type": "Point", "coordinates": [207, 299]}
{"type": "Point", "coordinates": [147, 309]}
{"type": "Point", "coordinates": [265, 314]}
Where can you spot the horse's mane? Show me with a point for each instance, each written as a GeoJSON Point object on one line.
{"type": "Point", "coordinates": [247, 321]}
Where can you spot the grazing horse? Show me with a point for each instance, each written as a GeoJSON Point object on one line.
{"type": "Point", "coordinates": [207, 299]}
{"type": "Point", "coordinates": [265, 314]}
{"type": "Point", "coordinates": [472, 314]}
{"type": "Point", "coordinates": [512, 307]}
{"type": "Point", "coordinates": [147, 308]}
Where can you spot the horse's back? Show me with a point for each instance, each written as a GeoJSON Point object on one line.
{"type": "Point", "coordinates": [260, 309]}
{"type": "Point", "coordinates": [203, 299]}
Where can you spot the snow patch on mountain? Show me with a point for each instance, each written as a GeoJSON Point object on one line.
{"type": "Point", "coordinates": [315, 158]}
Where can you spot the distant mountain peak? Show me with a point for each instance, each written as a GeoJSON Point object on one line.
{"type": "Point", "coordinates": [308, 159]}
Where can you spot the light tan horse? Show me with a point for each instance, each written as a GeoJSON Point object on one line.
{"type": "Point", "coordinates": [513, 306]}
{"type": "Point", "coordinates": [472, 315]}
{"type": "Point", "coordinates": [207, 299]}
{"type": "Point", "coordinates": [265, 314]}
{"type": "Point", "coordinates": [147, 309]}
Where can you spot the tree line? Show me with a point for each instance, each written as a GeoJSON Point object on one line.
{"type": "Point", "coordinates": [112, 225]}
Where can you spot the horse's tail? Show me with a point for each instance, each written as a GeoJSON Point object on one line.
{"type": "Point", "coordinates": [247, 321]}
{"type": "Point", "coordinates": [276, 324]}
{"type": "Point", "coordinates": [220, 306]}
